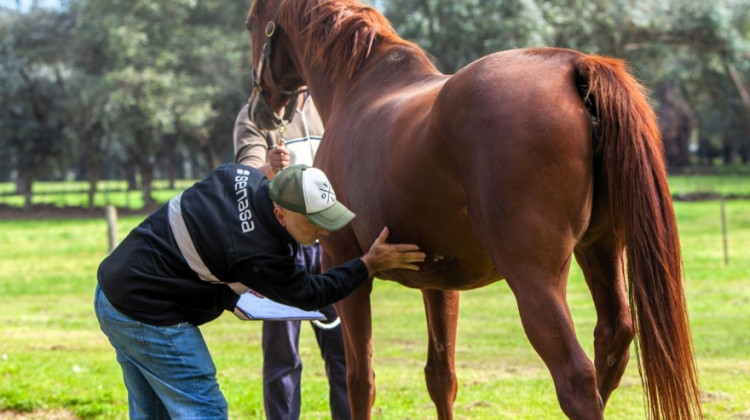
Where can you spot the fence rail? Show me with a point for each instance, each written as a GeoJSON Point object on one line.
{"type": "Point", "coordinates": [75, 194]}
{"type": "Point", "coordinates": [684, 187]}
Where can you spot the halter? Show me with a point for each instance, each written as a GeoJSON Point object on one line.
{"type": "Point", "coordinates": [265, 62]}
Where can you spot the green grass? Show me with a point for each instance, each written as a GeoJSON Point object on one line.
{"type": "Point", "coordinates": [52, 354]}
{"type": "Point", "coordinates": [729, 184]}
{"type": "Point", "coordinates": [75, 193]}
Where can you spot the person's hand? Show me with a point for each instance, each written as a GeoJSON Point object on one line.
{"type": "Point", "coordinates": [383, 256]}
{"type": "Point", "coordinates": [278, 157]}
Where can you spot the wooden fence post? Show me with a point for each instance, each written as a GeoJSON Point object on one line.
{"type": "Point", "coordinates": [724, 230]}
{"type": "Point", "coordinates": [112, 226]}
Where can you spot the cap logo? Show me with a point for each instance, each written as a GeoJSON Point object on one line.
{"type": "Point", "coordinates": [326, 193]}
{"type": "Point", "coordinates": [317, 191]}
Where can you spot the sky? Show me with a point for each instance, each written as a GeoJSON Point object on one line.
{"type": "Point", "coordinates": [25, 4]}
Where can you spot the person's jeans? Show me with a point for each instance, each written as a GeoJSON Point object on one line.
{"type": "Point", "coordinates": [168, 371]}
{"type": "Point", "coordinates": [282, 367]}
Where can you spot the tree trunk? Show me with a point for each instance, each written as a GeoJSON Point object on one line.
{"type": "Point", "coordinates": [24, 185]}
{"type": "Point", "coordinates": [129, 170]}
{"type": "Point", "coordinates": [93, 183]}
{"type": "Point", "coordinates": [147, 177]}
{"type": "Point", "coordinates": [677, 123]}
{"type": "Point", "coordinates": [171, 161]}
{"type": "Point", "coordinates": [745, 96]}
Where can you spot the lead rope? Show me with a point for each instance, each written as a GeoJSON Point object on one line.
{"type": "Point", "coordinates": [327, 326]}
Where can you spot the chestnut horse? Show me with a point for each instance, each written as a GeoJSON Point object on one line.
{"type": "Point", "coordinates": [505, 170]}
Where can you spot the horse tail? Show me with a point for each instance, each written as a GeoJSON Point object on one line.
{"type": "Point", "coordinates": [628, 144]}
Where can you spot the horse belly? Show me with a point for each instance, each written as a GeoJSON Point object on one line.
{"type": "Point", "coordinates": [442, 274]}
{"type": "Point", "coordinates": [455, 257]}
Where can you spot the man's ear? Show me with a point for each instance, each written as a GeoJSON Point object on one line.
{"type": "Point", "coordinates": [280, 215]}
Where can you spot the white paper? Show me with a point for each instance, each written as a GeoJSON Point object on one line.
{"type": "Point", "coordinates": [253, 306]}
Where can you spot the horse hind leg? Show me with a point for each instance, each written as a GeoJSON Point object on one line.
{"type": "Point", "coordinates": [602, 264]}
{"type": "Point", "coordinates": [441, 307]}
{"type": "Point", "coordinates": [546, 319]}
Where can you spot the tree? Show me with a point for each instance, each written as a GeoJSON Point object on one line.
{"type": "Point", "coordinates": [697, 50]}
{"type": "Point", "coordinates": [458, 32]}
{"type": "Point", "coordinates": [169, 63]}
{"type": "Point", "coordinates": [33, 71]}
{"type": "Point", "coordinates": [153, 86]}
{"type": "Point", "coordinates": [87, 96]}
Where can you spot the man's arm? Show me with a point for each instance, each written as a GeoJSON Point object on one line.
{"type": "Point", "coordinates": [257, 148]}
{"type": "Point", "coordinates": [251, 144]}
{"type": "Point", "coordinates": [283, 281]}
{"type": "Point", "coordinates": [277, 276]}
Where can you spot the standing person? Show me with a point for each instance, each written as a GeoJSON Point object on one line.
{"type": "Point", "coordinates": [271, 151]}
{"type": "Point", "coordinates": [186, 263]}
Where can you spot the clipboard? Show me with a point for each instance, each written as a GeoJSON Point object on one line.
{"type": "Point", "coordinates": [255, 307]}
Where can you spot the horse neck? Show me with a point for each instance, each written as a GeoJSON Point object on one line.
{"type": "Point", "coordinates": [386, 70]}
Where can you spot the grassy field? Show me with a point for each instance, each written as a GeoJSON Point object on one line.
{"type": "Point", "coordinates": [53, 356]}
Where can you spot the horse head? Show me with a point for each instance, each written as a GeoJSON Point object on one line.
{"type": "Point", "coordinates": [323, 44]}
{"type": "Point", "coordinates": [275, 80]}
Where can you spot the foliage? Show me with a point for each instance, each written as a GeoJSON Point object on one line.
{"type": "Point", "coordinates": [168, 63]}
{"type": "Point", "coordinates": [138, 85]}
{"type": "Point", "coordinates": [686, 51]}
{"type": "Point", "coordinates": [33, 71]}
{"type": "Point", "coordinates": [145, 89]}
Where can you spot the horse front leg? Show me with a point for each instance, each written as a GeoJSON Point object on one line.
{"type": "Point", "coordinates": [441, 308]}
{"type": "Point", "coordinates": [356, 320]}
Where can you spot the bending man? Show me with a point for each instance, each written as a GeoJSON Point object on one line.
{"type": "Point", "coordinates": [186, 263]}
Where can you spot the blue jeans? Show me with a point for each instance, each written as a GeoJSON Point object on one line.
{"type": "Point", "coordinates": [282, 367]}
{"type": "Point", "coordinates": [168, 371]}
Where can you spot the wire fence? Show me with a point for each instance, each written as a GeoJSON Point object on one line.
{"type": "Point", "coordinates": [76, 194]}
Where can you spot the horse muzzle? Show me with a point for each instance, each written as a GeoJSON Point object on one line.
{"type": "Point", "coordinates": [261, 113]}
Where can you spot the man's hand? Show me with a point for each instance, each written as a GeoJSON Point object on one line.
{"type": "Point", "coordinates": [278, 157]}
{"type": "Point", "coordinates": [383, 256]}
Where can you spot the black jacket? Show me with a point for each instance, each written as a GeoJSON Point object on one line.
{"type": "Point", "coordinates": [229, 217]}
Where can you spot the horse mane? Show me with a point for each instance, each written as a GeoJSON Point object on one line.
{"type": "Point", "coordinates": [341, 34]}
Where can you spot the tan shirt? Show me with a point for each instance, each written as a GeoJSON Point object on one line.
{"type": "Point", "coordinates": [302, 137]}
